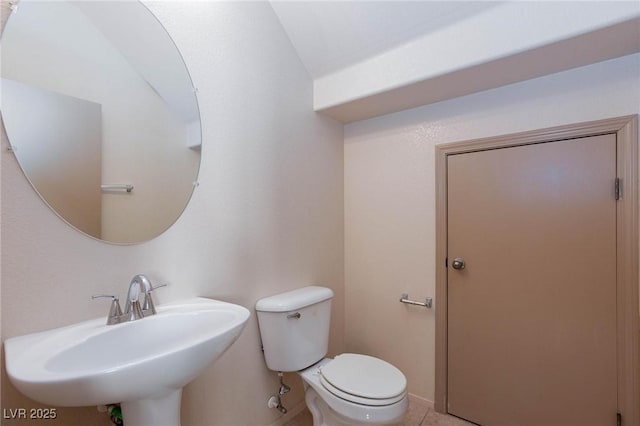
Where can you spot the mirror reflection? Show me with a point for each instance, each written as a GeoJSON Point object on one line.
{"type": "Point", "coordinates": [101, 115]}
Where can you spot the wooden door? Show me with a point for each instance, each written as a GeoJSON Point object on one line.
{"type": "Point", "coordinates": [531, 319]}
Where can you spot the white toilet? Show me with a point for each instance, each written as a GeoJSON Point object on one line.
{"type": "Point", "coordinates": [350, 389]}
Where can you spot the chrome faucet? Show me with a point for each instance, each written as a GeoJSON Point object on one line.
{"type": "Point", "coordinates": [133, 310]}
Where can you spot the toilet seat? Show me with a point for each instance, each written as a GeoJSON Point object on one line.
{"type": "Point", "coordinates": [363, 380]}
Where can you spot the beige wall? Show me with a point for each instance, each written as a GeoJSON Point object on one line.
{"type": "Point", "coordinates": [266, 218]}
{"type": "Point", "coordinates": [389, 197]}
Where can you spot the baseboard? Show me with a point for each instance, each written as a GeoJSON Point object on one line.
{"type": "Point", "coordinates": [419, 403]}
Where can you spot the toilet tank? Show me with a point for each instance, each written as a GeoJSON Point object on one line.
{"type": "Point", "coordinates": [294, 327]}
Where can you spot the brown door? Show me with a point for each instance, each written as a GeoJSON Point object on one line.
{"type": "Point", "coordinates": [532, 315]}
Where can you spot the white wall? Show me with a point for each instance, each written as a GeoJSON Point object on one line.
{"type": "Point", "coordinates": [267, 216]}
{"type": "Point", "coordinates": [390, 198]}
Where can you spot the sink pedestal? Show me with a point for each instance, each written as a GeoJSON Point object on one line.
{"type": "Point", "coordinates": [164, 410]}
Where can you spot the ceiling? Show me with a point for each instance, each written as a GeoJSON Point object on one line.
{"type": "Point", "coordinates": [332, 35]}
{"type": "Point", "coordinates": [371, 57]}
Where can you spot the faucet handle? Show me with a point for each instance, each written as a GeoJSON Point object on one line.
{"type": "Point", "coordinates": [148, 305]}
{"type": "Point", "coordinates": [158, 286]}
{"type": "Point", "coordinates": [115, 312]}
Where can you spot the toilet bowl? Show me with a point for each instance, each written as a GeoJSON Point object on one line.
{"type": "Point", "coordinates": [364, 396]}
{"type": "Point", "coordinates": [350, 389]}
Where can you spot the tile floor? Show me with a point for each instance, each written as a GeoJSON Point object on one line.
{"type": "Point", "coordinates": [421, 413]}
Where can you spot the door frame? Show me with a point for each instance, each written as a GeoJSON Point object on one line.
{"type": "Point", "coordinates": [627, 217]}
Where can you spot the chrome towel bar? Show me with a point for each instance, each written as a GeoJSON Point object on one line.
{"type": "Point", "coordinates": [428, 302]}
{"type": "Point", "coordinates": [117, 187]}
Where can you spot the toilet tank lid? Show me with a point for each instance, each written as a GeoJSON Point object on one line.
{"type": "Point", "coordinates": [295, 299]}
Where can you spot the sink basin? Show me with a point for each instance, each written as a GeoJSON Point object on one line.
{"type": "Point", "coordinates": [141, 364]}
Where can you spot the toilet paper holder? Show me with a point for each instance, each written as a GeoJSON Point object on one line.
{"type": "Point", "coordinates": [428, 302]}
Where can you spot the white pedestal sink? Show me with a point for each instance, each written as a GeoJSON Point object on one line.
{"type": "Point", "coordinates": [141, 364]}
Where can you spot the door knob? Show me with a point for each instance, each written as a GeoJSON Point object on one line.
{"type": "Point", "coordinates": [458, 263]}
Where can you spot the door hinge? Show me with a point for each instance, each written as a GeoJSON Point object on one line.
{"type": "Point", "coordinates": [618, 188]}
{"type": "Point", "coordinates": [618, 419]}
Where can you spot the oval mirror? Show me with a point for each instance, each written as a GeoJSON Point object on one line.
{"type": "Point", "coordinates": [101, 115]}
